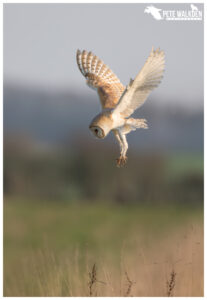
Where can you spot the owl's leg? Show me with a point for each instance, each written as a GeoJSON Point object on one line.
{"type": "Point", "coordinates": [117, 136]}
{"type": "Point", "coordinates": [124, 143]}
{"type": "Point", "coordinates": [121, 138]}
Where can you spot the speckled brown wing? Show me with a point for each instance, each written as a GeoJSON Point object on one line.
{"type": "Point", "coordinates": [100, 77]}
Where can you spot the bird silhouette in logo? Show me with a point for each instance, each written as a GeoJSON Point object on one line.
{"type": "Point", "coordinates": [155, 12]}
{"type": "Point", "coordinates": [193, 7]}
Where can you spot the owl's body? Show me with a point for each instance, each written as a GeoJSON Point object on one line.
{"type": "Point", "coordinates": [119, 102]}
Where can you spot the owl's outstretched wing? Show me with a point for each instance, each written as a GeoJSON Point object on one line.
{"type": "Point", "coordinates": [139, 89]}
{"type": "Point", "coordinates": [99, 76]}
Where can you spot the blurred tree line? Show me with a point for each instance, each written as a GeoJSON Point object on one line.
{"type": "Point", "coordinates": [86, 171]}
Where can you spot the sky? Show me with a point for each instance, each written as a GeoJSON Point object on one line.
{"type": "Point", "coordinates": [40, 43]}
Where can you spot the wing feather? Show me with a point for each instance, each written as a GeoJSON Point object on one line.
{"type": "Point", "coordinates": [89, 62]}
{"type": "Point", "coordinates": [138, 89]}
{"type": "Point", "coordinates": [94, 64]}
{"type": "Point", "coordinates": [83, 61]}
{"type": "Point", "coordinates": [99, 76]}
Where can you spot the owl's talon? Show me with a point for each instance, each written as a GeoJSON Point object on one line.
{"type": "Point", "coordinates": [121, 161]}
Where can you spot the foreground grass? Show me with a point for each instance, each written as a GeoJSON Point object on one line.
{"type": "Point", "coordinates": [53, 249]}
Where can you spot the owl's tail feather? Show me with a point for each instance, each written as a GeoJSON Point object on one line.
{"type": "Point", "coordinates": [132, 124]}
{"type": "Point", "coordinates": [138, 123]}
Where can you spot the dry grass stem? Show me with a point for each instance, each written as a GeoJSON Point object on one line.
{"type": "Point", "coordinates": [171, 284]}
{"type": "Point", "coordinates": [129, 285]}
{"type": "Point", "coordinates": [92, 280]}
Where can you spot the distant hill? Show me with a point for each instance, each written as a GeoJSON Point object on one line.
{"type": "Point", "coordinates": [55, 116]}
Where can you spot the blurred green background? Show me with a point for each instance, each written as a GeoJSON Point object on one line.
{"type": "Point", "coordinates": [65, 210]}
{"type": "Point", "coordinates": [86, 171]}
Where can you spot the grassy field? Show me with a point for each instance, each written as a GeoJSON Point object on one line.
{"type": "Point", "coordinates": [100, 249]}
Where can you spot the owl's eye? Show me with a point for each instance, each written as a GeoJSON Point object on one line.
{"type": "Point", "coordinates": [98, 132]}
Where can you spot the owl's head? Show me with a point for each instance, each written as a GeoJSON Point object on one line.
{"type": "Point", "coordinates": [100, 126]}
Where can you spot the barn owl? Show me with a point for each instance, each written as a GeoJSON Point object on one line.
{"type": "Point", "coordinates": [119, 102]}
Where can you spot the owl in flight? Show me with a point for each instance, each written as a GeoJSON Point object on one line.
{"type": "Point", "coordinates": [119, 102]}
